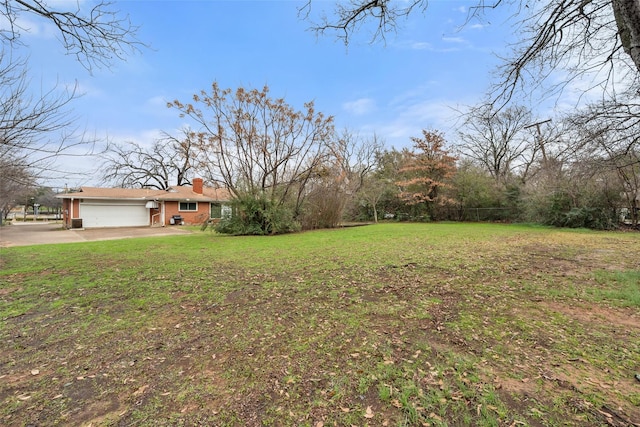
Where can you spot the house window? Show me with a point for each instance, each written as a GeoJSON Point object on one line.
{"type": "Point", "coordinates": [188, 206]}
{"type": "Point", "coordinates": [216, 210]}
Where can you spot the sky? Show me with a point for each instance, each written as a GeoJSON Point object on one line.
{"type": "Point", "coordinates": [413, 80]}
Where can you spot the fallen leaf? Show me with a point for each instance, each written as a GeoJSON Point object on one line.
{"type": "Point", "coordinates": [368, 413]}
{"type": "Point", "coordinates": [345, 409]}
{"type": "Point", "coordinates": [35, 371]}
{"type": "Point", "coordinates": [319, 424]}
{"type": "Point", "coordinates": [24, 397]}
{"type": "Point", "coordinates": [141, 390]}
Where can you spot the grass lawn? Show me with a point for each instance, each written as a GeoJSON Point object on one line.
{"type": "Point", "coordinates": [383, 325]}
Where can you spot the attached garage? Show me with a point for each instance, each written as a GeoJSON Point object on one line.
{"type": "Point", "coordinates": [113, 213]}
{"type": "Point", "coordinates": [95, 207]}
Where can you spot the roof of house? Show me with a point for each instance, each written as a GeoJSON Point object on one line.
{"type": "Point", "coordinates": [181, 193]}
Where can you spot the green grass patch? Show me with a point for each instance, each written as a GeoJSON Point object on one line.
{"type": "Point", "coordinates": [622, 287]}
{"type": "Point", "coordinates": [392, 324]}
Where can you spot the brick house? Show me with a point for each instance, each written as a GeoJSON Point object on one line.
{"type": "Point", "coordinates": [93, 207]}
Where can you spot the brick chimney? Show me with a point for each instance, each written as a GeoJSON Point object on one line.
{"type": "Point", "coordinates": [197, 185]}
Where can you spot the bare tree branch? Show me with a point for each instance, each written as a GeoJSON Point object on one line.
{"type": "Point", "coordinates": [596, 42]}
{"type": "Point", "coordinates": [255, 145]}
{"type": "Point", "coordinates": [349, 17]}
{"type": "Point", "coordinates": [36, 130]}
{"type": "Point", "coordinates": [95, 36]}
{"type": "Point", "coordinates": [496, 140]}
{"type": "Point", "coordinates": [169, 161]}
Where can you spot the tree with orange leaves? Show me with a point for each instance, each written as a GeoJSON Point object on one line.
{"type": "Point", "coordinates": [426, 172]}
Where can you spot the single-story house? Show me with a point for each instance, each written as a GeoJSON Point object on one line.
{"type": "Point", "coordinates": [93, 207]}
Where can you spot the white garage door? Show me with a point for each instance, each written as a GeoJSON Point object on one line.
{"type": "Point", "coordinates": [96, 213]}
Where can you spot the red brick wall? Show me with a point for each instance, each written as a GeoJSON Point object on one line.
{"type": "Point", "coordinates": [189, 217]}
{"type": "Point", "coordinates": [68, 212]}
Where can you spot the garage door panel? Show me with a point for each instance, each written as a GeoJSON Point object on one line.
{"type": "Point", "coordinates": [101, 214]}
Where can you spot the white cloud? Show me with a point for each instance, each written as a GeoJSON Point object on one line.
{"type": "Point", "coordinates": [475, 26]}
{"type": "Point", "coordinates": [88, 90]}
{"type": "Point", "coordinates": [143, 137]}
{"type": "Point", "coordinates": [421, 45]}
{"type": "Point", "coordinates": [412, 118]}
{"type": "Point", "coordinates": [36, 29]}
{"type": "Point", "coordinates": [360, 106]}
{"type": "Point", "coordinates": [458, 40]}
{"type": "Point", "coordinates": [157, 101]}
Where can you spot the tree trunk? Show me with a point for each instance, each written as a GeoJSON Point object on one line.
{"type": "Point", "coordinates": [627, 14]}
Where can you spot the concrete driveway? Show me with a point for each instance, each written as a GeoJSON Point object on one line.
{"type": "Point", "coordinates": [24, 234]}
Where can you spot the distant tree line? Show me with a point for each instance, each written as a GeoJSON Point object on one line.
{"type": "Point", "coordinates": [32, 199]}
{"type": "Point", "coordinates": [291, 170]}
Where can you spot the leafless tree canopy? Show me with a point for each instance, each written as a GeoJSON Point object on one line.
{"type": "Point", "coordinates": [255, 145]}
{"type": "Point", "coordinates": [596, 37]}
{"type": "Point", "coordinates": [350, 16]}
{"type": "Point", "coordinates": [96, 35]}
{"type": "Point", "coordinates": [355, 158]}
{"type": "Point", "coordinates": [28, 121]}
{"type": "Point", "coordinates": [498, 140]}
{"type": "Point", "coordinates": [15, 182]}
{"type": "Point", "coordinates": [37, 128]}
{"type": "Point", "coordinates": [166, 163]}
{"type": "Point", "coordinates": [582, 39]}
{"type": "Point", "coordinates": [615, 121]}
{"type": "Point", "coordinates": [607, 137]}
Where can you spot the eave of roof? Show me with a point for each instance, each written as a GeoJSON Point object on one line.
{"type": "Point", "coordinates": [178, 193]}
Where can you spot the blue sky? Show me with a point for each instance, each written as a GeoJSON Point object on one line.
{"type": "Point", "coordinates": [394, 89]}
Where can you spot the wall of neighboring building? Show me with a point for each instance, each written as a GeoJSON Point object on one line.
{"type": "Point", "coordinates": [70, 210]}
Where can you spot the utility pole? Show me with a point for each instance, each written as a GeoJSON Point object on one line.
{"type": "Point", "coordinates": [539, 138]}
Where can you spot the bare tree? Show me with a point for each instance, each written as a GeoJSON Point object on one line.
{"type": "Point", "coordinates": [340, 179]}
{"type": "Point", "coordinates": [350, 17]}
{"type": "Point", "coordinates": [617, 120]}
{"type": "Point", "coordinates": [169, 161]}
{"type": "Point", "coordinates": [15, 183]}
{"type": "Point", "coordinates": [594, 37]}
{"type": "Point", "coordinates": [592, 41]}
{"type": "Point", "coordinates": [35, 129]}
{"type": "Point", "coordinates": [355, 159]}
{"type": "Point", "coordinates": [496, 140]}
{"type": "Point", "coordinates": [95, 33]}
{"type": "Point", "coordinates": [608, 136]}
{"type": "Point", "coordinates": [256, 146]}
{"type": "Point", "coordinates": [373, 191]}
